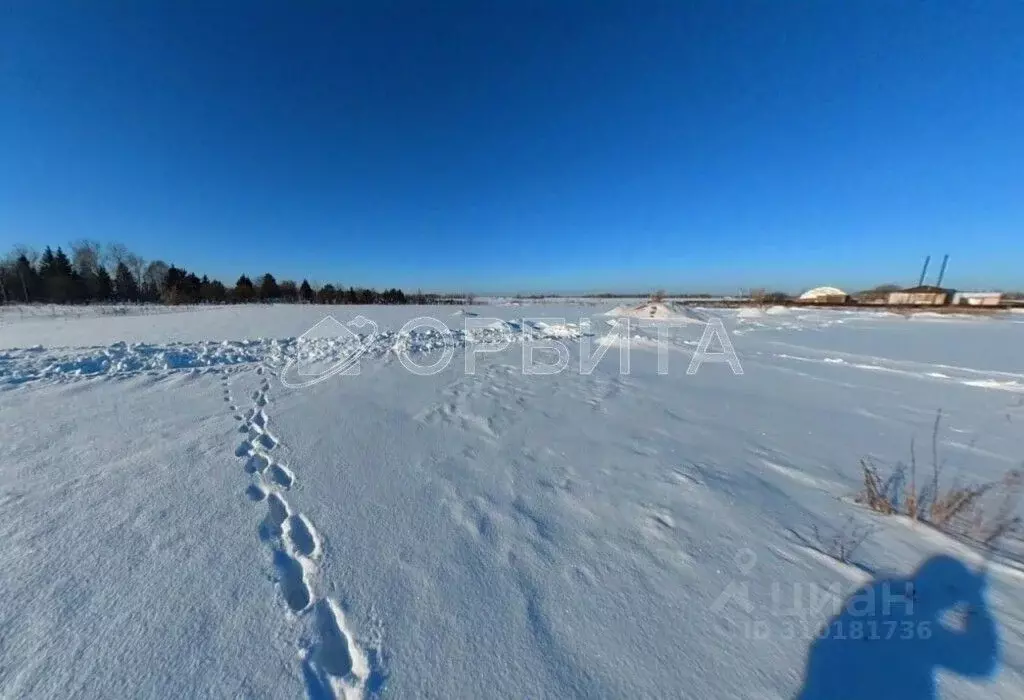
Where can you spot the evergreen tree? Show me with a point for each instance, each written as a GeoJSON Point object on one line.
{"type": "Point", "coordinates": [62, 263]}
{"type": "Point", "coordinates": [289, 291]}
{"type": "Point", "coordinates": [7, 277]}
{"type": "Point", "coordinates": [393, 296]}
{"type": "Point", "coordinates": [28, 279]}
{"type": "Point", "coordinates": [205, 290]}
{"type": "Point", "coordinates": [181, 286]}
{"type": "Point", "coordinates": [103, 289]}
{"type": "Point", "coordinates": [46, 264]}
{"type": "Point", "coordinates": [125, 286]}
{"type": "Point", "coordinates": [212, 291]}
{"type": "Point", "coordinates": [326, 295]}
{"type": "Point", "coordinates": [192, 289]}
{"type": "Point", "coordinates": [243, 291]}
{"type": "Point", "coordinates": [172, 282]}
{"type": "Point", "coordinates": [83, 277]}
{"type": "Point", "coordinates": [268, 288]}
{"type": "Point", "coordinates": [60, 278]}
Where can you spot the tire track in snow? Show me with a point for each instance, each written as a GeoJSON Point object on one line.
{"type": "Point", "coordinates": [334, 666]}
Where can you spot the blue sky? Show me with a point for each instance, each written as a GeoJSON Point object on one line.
{"type": "Point", "coordinates": [523, 146]}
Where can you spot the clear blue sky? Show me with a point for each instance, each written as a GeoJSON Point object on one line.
{"type": "Point", "coordinates": [523, 145]}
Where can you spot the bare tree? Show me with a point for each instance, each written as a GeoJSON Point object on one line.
{"type": "Point", "coordinates": [154, 276]}
{"type": "Point", "coordinates": [6, 273]}
{"type": "Point", "coordinates": [86, 257]}
{"type": "Point", "coordinates": [116, 253]}
{"type": "Point", "coordinates": [31, 255]}
{"type": "Point", "coordinates": [136, 265]}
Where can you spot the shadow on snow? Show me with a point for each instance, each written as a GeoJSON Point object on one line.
{"type": "Point", "coordinates": [892, 636]}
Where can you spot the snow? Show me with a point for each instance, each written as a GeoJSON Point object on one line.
{"type": "Point", "coordinates": [657, 311]}
{"type": "Point", "coordinates": [178, 522]}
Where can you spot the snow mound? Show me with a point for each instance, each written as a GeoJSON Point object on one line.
{"type": "Point", "coordinates": [656, 311]}
{"type": "Point", "coordinates": [317, 349]}
{"type": "Point", "coordinates": [556, 330]}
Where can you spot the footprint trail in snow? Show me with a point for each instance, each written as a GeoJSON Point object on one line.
{"type": "Point", "coordinates": [333, 664]}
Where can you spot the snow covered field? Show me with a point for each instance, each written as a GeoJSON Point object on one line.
{"type": "Point", "coordinates": [178, 522]}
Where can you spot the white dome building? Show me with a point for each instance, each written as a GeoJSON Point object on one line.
{"type": "Point", "coordinates": [824, 295]}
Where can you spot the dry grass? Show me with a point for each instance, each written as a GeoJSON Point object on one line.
{"type": "Point", "coordinates": [878, 494]}
{"type": "Point", "coordinates": [841, 543]}
{"type": "Point", "coordinates": [983, 513]}
{"type": "Point", "coordinates": [844, 542]}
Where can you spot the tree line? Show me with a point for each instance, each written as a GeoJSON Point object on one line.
{"type": "Point", "coordinates": [94, 273]}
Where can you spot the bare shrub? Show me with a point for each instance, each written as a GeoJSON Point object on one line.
{"type": "Point", "coordinates": [980, 512]}
{"type": "Point", "coordinates": [841, 543]}
{"type": "Point", "coordinates": [987, 520]}
{"type": "Point", "coordinates": [877, 494]}
{"type": "Point", "coordinates": [956, 502]}
{"type": "Point", "coordinates": [844, 542]}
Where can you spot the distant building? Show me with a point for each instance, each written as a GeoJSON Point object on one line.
{"type": "Point", "coordinates": [824, 295]}
{"type": "Point", "coordinates": [873, 296]}
{"type": "Point", "coordinates": [921, 296]}
{"type": "Point", "coordinates": [978, 298]}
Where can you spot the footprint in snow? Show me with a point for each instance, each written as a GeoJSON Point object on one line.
{"type": "Point", "coordinates": [266, 441]}
{"type": "Point", "coordinates": [301, 537]}
{"type": "Point", "coordinates": [278, 511]}
{"type": "Point", "coordinates": [256, 463]}
{"type": "Point", "coordinates": [260, 419]}
{"type": "Point", "coordinates": [281, 475]}
{"type": "Point", "coordinates": [336, 653]}
{"type": "Point", "coordinates": [293, 581]}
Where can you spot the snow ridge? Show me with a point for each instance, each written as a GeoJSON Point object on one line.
{"type": "Point", "coordinates": [21, 365]}
{"type": "Point", "coordinates": [333, 665]}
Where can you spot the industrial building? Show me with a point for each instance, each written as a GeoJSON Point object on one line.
{"type": "Point", "coordinates": [978, 298]}
{"type": "Point", "coordinates": [876, 297]}
{"type": "Point", "coordinates": [923, 295]}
